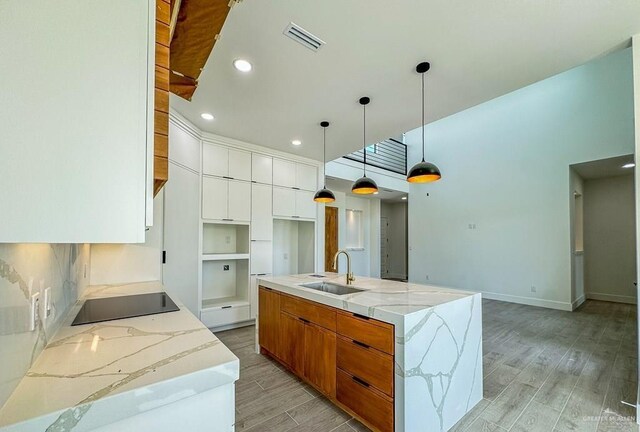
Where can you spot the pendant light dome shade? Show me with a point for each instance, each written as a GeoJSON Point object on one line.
{"type": "Point", "coordinates": [324, 195]}
{"type": "Point", "coordinates": [423, 172]}
{"type": "Point", "coordinates": [364, 185]}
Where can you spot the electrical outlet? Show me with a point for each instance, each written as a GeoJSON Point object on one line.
{"type": "Point", "coordinates": [226, 267]}
{"type": "Point", "coordinates": [533, 288]}
{"type": "Point", "coordinates": [47, 302]}
{"type": "Point", "coordinates": [34, 311]}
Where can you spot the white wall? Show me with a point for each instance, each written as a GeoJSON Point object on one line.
{"type": "Point", "coordinates": [576, 228]}
{"type": "Point", "coordinates": [396, 214]}
{"type": "Point", "coordinates": [610, 239]}
{"type": "Point", "coordinates": [505, 169]}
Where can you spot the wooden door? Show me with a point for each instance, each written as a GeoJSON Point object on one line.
{"type": "Point", "coordinates": [269, 320]}
{"type": "Point", "coordinates": [330, 237]}
{"type": "Point", "coordinates": [292, 346]}
{"type": "Point", "coordinates": [320, 358]}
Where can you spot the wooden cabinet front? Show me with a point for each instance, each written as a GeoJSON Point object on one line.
{"type": "Point", "coordinates": [269, 325]}
{"type": "Point", "coordinates": [347, 358]}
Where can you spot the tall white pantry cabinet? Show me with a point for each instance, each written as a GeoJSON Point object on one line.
{"type": "Point", "coordinates": [76, 121]}
{"type": "Point", "coordinates": [220, 206]}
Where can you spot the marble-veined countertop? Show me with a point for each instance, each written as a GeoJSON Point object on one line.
{"type": "Point", "coordinates": [383, 299]}
{"type": "Point", "coordinates": [94, 374]}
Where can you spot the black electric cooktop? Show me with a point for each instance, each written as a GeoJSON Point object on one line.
{"type": "Point", "coordinates": [114, 308]}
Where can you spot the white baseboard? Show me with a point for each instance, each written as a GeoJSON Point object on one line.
{"type": "Point", "coordinates": [577, 302]}
{"type": "Point", "coordinates": [550, 304]}
{"type": "Point", "coordinates": [611, 298]}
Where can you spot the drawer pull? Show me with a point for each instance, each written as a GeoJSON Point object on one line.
{"type": "Point", "coordinates": [306, 321]}
{"type": "Point", "coordinates": [225, 307]}
{"type": "Point", "coordinates": [360, 381]}
{"type": "Point", "coordinates": [364, 317]}
{"type": "Point", "coordinates": [363, 345]}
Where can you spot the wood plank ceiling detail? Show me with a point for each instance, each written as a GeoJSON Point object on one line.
{"type": "Point", "coordinates": [198, 24]}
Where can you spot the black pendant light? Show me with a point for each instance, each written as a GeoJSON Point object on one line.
{"type": "Point", "coordinates": [423, 172]}
{"type": "Point", "coordinates": [364, 185]}
{"type": "Point", "coordinates": [324, 195]}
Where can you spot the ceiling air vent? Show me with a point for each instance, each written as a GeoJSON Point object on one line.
{"type": "Point", "coordinates": [303, 37]}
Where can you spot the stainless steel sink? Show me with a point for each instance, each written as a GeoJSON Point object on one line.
{"type": "Point", "coordinates": [332, 288]}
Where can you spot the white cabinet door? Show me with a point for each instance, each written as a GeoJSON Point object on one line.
{"type": "Point", "coordinates": [261, 168]}
{"type": "Point", "coordinates": [181, 234]}
{"type": "Point", "coordinates": [261, 257]}
{"type": "Point", "coordinates": [215, 160]}
{"type": "Point", "coordinates": [76, 120]}
{"type": "Point", "coordinates": [305, 205]}
{"type": "Point", "coordinates": [284, 173]}
{"type": "Point", "coordinates": [306, 177]}
{"type": "Point", "coordinates": [215, 197]}
{"type": "Point", "coordinates": [184, 148]}
{"type": "Point", "coordinates": [261, 212]}
{"type": "Point", "coordinates": [239, 165]}
{"type": "Point", "coordinates": [284, 201]}
{"type": "Point", "coordinates": [239, 200]}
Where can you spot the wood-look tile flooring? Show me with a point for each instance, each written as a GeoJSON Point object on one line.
{"type": "Point", "coordinates": [544, 370]}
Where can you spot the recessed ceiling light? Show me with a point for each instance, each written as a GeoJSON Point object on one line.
{"type": "Point", "coordinates": [404, 197]}
{"type": "Point", "coordinates": [629, 165]}
{"type": "Point", "coordinates": [207, 116]}
{"type": "Point", "coordinates": [296, 142]}
{"type": "Point", "coordinates": [242, 65]}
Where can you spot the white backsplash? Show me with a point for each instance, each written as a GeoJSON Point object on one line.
{"type": "Point", "coordinates": [26, 269]}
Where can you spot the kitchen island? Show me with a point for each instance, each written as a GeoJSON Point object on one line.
{"type": "Point", "coordinates": [398, 356]}
{"type": "Point", "coordinates": [163, 372]}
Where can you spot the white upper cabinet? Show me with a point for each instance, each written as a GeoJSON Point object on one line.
{"type": "Point", "coordinates": [261, 168]}
{"type": "Point", "coordinates": [215, 160]}
{"type": "Point", "coordinates": [305, 205]}
{"type": "Point", "coordinates": [239, 165]}
{"type": "Point", "coordinates": [224, 199]}
{"type": "Point", "coordinates": [306, 177]}
{"type": "Point", "coordinates": [261, 257]}
{"type": "Point", "coordinates": [284, 173]}
{"type": "Point", "coordinates": [76, 120]}
{"type": "Point", "coordinates": [261, 212]}
{"type": "Point", "coordinates": [284, 201]}
{"type": "Point", "coordinates": [239, 201]}
{"type": "Point", "coordinates": [215, 197]}
{"type": "Point", "coordinates": [225, 162]}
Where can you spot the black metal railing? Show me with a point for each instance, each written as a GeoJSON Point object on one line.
{"type": "Point", "coordinates": [390, 155]}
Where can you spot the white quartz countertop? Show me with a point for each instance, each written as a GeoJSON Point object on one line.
{"type": "Point", "coordinates": [386, 300]}
{"type": "Point", "coordinates": [94, 374]}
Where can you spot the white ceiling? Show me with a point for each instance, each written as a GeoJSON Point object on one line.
{"type": "Point", "coordinates": [602, 168]}
{"type": "Point", "coordinates": [478, 50]}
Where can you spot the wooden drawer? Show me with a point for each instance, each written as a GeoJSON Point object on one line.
{"type": "Point", "coordinates": [363, 400]}
{"type": "Point", "coordinates": [369, 331]}
{"type": "Point", "coordinates": [219, 316]}
{"type": "Point", "coordinates": [317, 314]}
{"type": "Point", "coordinates": [373, 366]}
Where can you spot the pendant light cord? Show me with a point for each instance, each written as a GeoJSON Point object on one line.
{"type": "Point", "coordinates": [324, 156]}
{"type": "Point", "coordinates": [423, 117]}
{"type": "Point", "coordinates": [364, 138]}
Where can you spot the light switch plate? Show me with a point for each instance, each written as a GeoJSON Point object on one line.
{"type": "Point", "coordinates": [33, 311]}
{"type": "Point", "coordinates": [47, 302]}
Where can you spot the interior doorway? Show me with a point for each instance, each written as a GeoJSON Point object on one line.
{"type": "Point", "coordinates": [330, 237]}
{"type": "Point", "coordinates": [394, 238]}
{"type": "Point", "coordinates": [604, 230]}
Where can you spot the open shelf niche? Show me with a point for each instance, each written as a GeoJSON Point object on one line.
{"type": "Point", "coordinates": [225, 265]}
{"type": "Point", "coordinates": [293, 247]}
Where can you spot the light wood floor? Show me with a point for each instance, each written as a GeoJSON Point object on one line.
{"type": "Point", "coordinates": [544, 370]}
